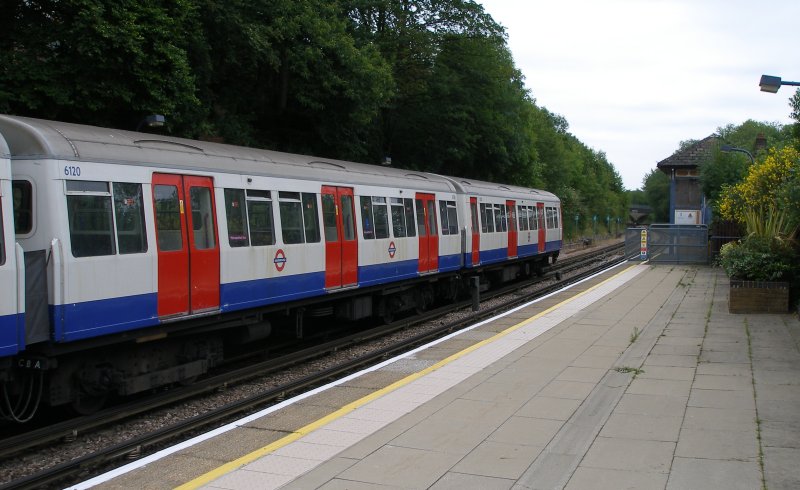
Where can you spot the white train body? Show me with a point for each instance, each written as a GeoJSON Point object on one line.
{"type": "Point", "coordinates": [126, 234]}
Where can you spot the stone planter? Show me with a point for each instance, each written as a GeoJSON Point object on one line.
{"type": "Point", "coordinates": [758, 297]}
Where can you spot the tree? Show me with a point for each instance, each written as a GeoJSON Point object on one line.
{"type": "Point", "coordinates": [96, 62]}
{"type": "Point", "coordinates": [656, 189]}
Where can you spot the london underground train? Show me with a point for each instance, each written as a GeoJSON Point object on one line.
{"type": "Point", "coordinates": [131, 261]}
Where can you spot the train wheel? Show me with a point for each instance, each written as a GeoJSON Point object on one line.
{"type": "Point", "coordinates": [86, 404]}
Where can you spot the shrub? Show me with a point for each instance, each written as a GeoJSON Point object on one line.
{"type": "Point", "coordinates": [758, 258]}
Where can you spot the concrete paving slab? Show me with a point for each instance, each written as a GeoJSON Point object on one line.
{"type": "Point", "coordinates": [721, 382]}
{"type": "Point", "coordinates": [720, 356]}
{"type": "Point", "coordinates": [695, 473]}
{"type": "Point", "coordinates": [629, 455]}
{"type": "Point", "coordinates": [546, 407]}
{"type": "Point", "coordinates": [460, 481]}
{"type": "Point", "coordinates": [526, 431]}
{"type": "Point", "coordinates": [498, 459]}
{"type": "Point", "coordinates": [668, 372]}
{"type": "Point", "coordinates": [724, 369]}
{"type": "Point", "coordinates": [410, 467]}
{"type": "Point", "coordinates": [567, 389]}
{"type": "Point", "coordinates": [653, 405]}
{"type": "Point", "coordinates": [670, 387]}
{"type": "Point", "coordinates": [728, 419]}
{"type": "Point", "coordinates": [781, 468]}
{"type": "Point", "coordinates": [605, 479]}
{"type": "Point", "coordinates": [780, 433]}
{"type": "Point", "coordinates": [741, 399]}
{"type": "Point", "coordinates": [582, 374]}
{"type": "Point", "coordinates": [594, 361]}
{"type": "Point", "coordinates": [670, 360]}
{"type": "Point", "coordinates": [717, 444]}
{"type": "Point", "coordinates": [645, 427]}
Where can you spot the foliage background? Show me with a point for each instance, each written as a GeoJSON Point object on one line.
{"type": "Point", "coordinates": [429, 83]}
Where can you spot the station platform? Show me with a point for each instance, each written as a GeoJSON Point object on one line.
{"type": "Point", "coordinates": [638, 378]}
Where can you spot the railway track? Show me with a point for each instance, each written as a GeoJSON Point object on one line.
{"type": "Point", "coordinates": [101, 460]}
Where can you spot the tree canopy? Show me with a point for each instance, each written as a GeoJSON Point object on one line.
{"type": "Point", "coordinates": [430, 84]}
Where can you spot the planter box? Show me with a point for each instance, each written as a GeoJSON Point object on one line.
{"type": "Point", "coordinates": [758, 297]}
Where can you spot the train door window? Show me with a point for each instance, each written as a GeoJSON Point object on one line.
{"type": "Point", "coordinates": [398, 217]}
{"type": "Point", "coordinates": [168, 217]}
{"type": "Point", "coordinates": [129, 216]}
{"type": "Point", "coordinates": [202, 218]}
{"type": "Point", "coordinates": [259, 217]}
{"type": "Point", "coordinates": [534, 218]}
{"type": "Point", "coordinates": [311, 217]}
{"type": "Point", "coordinates": [421, 217]}
{"type": "Point", "coordinates": [549, 217]}
{"type": "Point", "coordinates": [236, 216]}
{"type": "Point", "coordinates": [522, 216]}
{"type": "Point", "coordinates": [555, 218]}
{"type": "Point", "coordinates": [90, 217]}
{"type": "Point", "coordinates": [366, 218]}
{"type": "Point", "coordinates": [22, 194]}
{"type": "Point", "coordinates": [473, 210]}
{"type": "Point", "coordinates": [381, 215]}
{"type": "Point", "coordinates": [408, 206]}
{"type": "Point", "coordinates": [432, 218]}
{"type": "Point", "coordinates": [291, 217]}
{"type": "Point", "coordinates": [348, 219]}
{"type": "Point", "coordinates": [498, 219]}
{"type": "Point", "coordinates": [329, 218]}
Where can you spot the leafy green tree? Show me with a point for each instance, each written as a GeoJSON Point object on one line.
{"type": "Point", "coordinates": [656, 191]}
{"type": "Point", "coordinates": [99, 62]}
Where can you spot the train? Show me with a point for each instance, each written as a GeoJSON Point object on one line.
{"type": "Point", "coordinates": [132, 261]}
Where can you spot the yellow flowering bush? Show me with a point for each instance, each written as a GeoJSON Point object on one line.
{"type": "Point", "coordinates": [768, 184]}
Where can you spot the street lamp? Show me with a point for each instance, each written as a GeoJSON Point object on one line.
{"type": "Point", "coordinates": [772, 84]}
{"type": "Point", "coordinates": [730, 148]}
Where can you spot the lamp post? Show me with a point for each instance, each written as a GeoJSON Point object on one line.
{"type": "Point", "coordinates": [730, 148]}
{"type": "Point", "coordinates": [771, 84]}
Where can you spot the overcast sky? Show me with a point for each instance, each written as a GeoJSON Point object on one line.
{"type": "Point", "coordinates": [634, 78]}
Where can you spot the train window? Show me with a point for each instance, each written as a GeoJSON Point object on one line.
{"type": "Point", "coordinates": [421, 217]}
{"type": "Point", "coordinates": [311, 217]}
{"type": "Point", "coordinates": [168, 218]}
{"type": "Point", "coordinates": [348, 218]}
{"type": "Point", "coordinates": [22, 193]}
{"type": "Point", "coordinates": [366, 218]}
{"type": "Point", "coordinates": [381, 215]}
{"type": "Point", "coordinates": [91, 221]}
{"type": "Point", "coordinates": [449, 217]}
{"type": "Point", "coordinates": [473, 209]}
{"type": "Point", "coordinates": [498, 219]}
{"type": "Point", "coordinates": [291, 217]}
{"type": "Point", "coordinates": [398, 218]}
{"type": "Point", "coordinates": [432, 218]}
{"type": "Point", "coordinates": [408, 205]}
{"type": "Point", "coordinates": [555, 218]}
{"type": "Point", "coordinates": [129, 214]}
{"type": "Point", "coordinates": [329, 218]}
{"type": "Point", "coordinates": [522, 216]}
{"type": "Point", "coordinates": [259, 213]}
{"type": "Point", "coordinates": [533, 218]}
{"type": "Point", "coordinates": [487, 225]}
{"type": "Point", "coordinates": [236, 216]}
{"type": "Point", "coordinates": [202, 218]}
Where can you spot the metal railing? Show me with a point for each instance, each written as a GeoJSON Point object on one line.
{"type": "Point", "coordinates": [666, 243]}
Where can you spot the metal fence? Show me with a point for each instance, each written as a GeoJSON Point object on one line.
{"type": "Point", "coordinates": [664, 243]}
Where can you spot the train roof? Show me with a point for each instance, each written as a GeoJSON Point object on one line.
{"type": "Point", "coordinates": [29, 138]}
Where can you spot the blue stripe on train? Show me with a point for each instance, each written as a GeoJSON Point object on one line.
{"type": "Point", "coordinates": [77, 321]}
{"type": "Point", "coordinates": [12, 328]}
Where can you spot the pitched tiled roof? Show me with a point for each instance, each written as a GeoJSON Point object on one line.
{"type": "Point", "coordinates": [693, 156]}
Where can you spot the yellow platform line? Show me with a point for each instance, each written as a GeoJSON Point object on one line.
{"type": "Point", "coordinates": [307, 429]}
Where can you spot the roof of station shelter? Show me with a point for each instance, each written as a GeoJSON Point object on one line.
{"type": "Point", "coordinates": [692, 156]}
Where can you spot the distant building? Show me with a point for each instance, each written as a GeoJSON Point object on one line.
{"type": "Point", "coordinates": [687, 204]}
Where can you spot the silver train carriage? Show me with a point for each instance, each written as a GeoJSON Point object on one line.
{"type": "Point", "coordinates": [116, 241]}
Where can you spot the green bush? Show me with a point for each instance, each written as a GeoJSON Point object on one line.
{"type": "Point", "coordinates": [758, 258]}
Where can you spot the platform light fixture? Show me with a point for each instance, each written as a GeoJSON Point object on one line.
{"type": "Point", "coordinates": [771, 84]}
{"type": "Point", "coordinates": [731, 149]}
{"type": "Point", "coordinates": [152, 121]}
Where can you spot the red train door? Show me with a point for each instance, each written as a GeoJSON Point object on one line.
{"type": "Point", "coordinates": [476, 231]}
{"type": "Point", "coordinates": [188, 249]}
{"type": "Point", "coordinates": [511, 206]}
{"type": "Point", "coordinates": [542, 230]}
{"type": "Point", "coordinates": [428, 233]}
{"type": "Point", "coordinates": [341, 246]}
